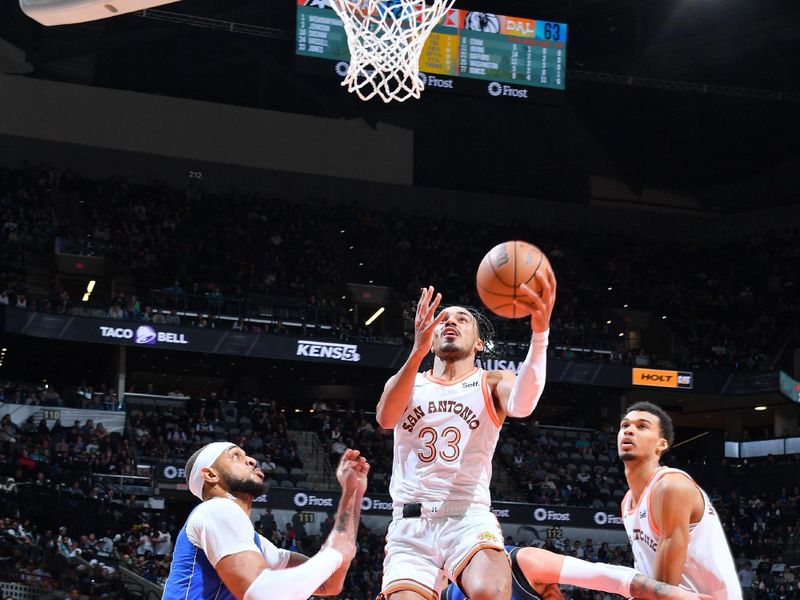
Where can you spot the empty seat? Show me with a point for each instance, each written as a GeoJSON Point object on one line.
{"type": "Point", "coordinates": [297, 475]}
{"type": "Point", "coordinates": [286, 484]}
{"type": "Point", "coordinates": [303, 485]}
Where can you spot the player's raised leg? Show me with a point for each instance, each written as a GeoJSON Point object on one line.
{"type": "Point", "coordinates": [487, 576]}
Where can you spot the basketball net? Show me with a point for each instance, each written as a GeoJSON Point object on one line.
{"type": "Point", "coordinates": [385, 38]}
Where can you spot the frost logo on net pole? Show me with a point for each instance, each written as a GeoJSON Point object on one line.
{"type": "Point", "coordinates": [495, 88]}
{"type": "Point", "coordinates": [603, 518]}
{"type": "Point", "coordinates": [172, 472]}
{"type": "Point", "coordinates": [341, 68]}
{"type": "Point", "coordinates": [301, 499]}
{"type": "Point", "coordinates": [436, 82]}
{"type": "Point", "coordinates": [368, 504]}
{"type": "Point", "coordinates": [542, 514]}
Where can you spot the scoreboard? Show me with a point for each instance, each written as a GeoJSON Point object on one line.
{"type": "Point", "coordinates": [512, 54]}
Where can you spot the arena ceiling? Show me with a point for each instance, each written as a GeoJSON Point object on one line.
{"type": "Point", "coordinates": [730, 151]}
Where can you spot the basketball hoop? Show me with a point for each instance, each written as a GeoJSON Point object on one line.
{"type": "Point", "coordinates": [385, 38]}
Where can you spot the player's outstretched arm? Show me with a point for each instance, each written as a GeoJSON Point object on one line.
{"type": "Point", "coordinates": [648, 588]}
{"type": "Point", "coordinates": [519, 395]}
{"type": "Point", "coordinates": [248, 576]}
{"type": "Point", "coordinates": [543, 567]}
{"type": "Point", "coordinates": [352, 475]}
{"type": "Point", "coordinates": [398, 390]}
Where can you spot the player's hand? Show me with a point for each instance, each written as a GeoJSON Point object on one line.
{"type": "Point", "coordinates": [425, 323]}
{"type": "Point", "coordinates": [352, 472]}
{"type": "Point", "coordinates": [540, 308]}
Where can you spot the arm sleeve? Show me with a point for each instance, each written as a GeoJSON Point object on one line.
{"type": "Point", "coordinates": [219, 527]}
{"type": "Point", "coordinates": [614, 579]}
{"type": "Point", "coordinates": [531, 378]}
{"type": "Point", "coordinates": [297, 583]}
{"type": "Point", "coordinates": [277, 558]}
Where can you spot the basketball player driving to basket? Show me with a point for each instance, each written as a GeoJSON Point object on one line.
{"type": "Point", "coordinates": [446, 425]}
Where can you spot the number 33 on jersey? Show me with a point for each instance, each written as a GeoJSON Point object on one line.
{"type": "Point", "coordinates": [443, 444]}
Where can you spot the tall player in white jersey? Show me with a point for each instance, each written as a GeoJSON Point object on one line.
{"type": "Point", "coordinates": [446, 424]}
{"type": "Point", "coordinates": [674, 530]}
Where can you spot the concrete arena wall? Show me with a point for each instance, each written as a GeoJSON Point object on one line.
{"type": "Point", "coordinates": [142, 167]}
{"type": "Point", "coordinates": [142, 137]}
{"type": "Point", "coordinates": [204, 131]}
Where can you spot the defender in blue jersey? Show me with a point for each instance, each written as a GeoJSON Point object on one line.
{"type": "Point", "coordinates": [521, 587]}
{"type": "Point", "coordinates": [536, 574]}
{"type": "Point", "coordinates": [219, 556]}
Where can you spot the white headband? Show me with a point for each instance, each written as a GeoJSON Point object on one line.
{"type": "Point", "coordinates": [207, 457]}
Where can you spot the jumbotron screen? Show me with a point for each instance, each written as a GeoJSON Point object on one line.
{"type": "Point", "coordinates": [504, 51]}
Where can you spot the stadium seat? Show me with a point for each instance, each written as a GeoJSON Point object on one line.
{"type": "Point", "coordinates": [296, 475]}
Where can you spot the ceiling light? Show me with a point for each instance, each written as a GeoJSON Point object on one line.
{"type": "Point", "coordinates": [374, 316]}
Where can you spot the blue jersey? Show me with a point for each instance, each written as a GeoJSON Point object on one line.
{"type": "Point", "coordinates": [521, 589]}
{"type": "Point", "coordinates": [191, 576]}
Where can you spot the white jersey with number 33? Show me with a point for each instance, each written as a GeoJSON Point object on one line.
{"type": "Point", "coordinates": [709, 567]}
{"type": "Point", "coordinates": [445, 440]}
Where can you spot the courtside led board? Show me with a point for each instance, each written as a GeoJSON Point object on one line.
{"type": "Point", "coordinates": [504, 51]}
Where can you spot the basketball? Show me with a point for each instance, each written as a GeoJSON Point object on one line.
{"type": "Point", "coordinates": [504, 268]}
